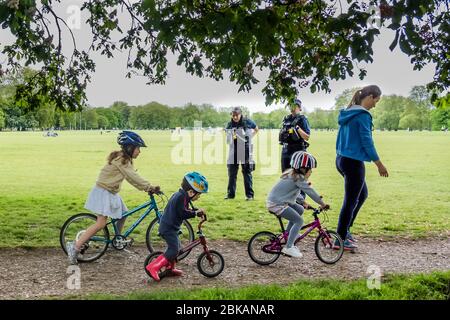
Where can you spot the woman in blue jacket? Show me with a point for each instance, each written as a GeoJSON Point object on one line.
{"type": "Point", "coordinates": [355, 145]}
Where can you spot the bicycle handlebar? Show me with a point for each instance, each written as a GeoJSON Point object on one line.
{"type": "Point", "coordinates": [204, 218]}
{"type": "Point", "coordinates": [158, 193]}
{"type": "Point", "coordinates": [316, 210]}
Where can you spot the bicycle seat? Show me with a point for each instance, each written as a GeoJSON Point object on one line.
{"type": "Point", "coordinates": [276, 216]}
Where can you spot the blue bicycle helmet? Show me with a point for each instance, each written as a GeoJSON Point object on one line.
{"type": "Point", "coordinates": [197, 181]}
{"type": "Point", "coordinates": [127, 138]}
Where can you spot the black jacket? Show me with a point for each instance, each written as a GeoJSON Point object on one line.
{"type": "Point", "coordinates": [177, 210]}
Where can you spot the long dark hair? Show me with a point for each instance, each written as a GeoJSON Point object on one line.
{"type": "Point", "coordinates": [359, 95]}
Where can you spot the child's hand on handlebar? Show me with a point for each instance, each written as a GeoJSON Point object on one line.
{"type": "Point", "coordinates": [306, 205]}
{"type": "Point", "coordinates": [325, 206]}
{"type": "Point", "coordinates": [154, 189]}
{"type": "Point", "coordinates": [201, 212]}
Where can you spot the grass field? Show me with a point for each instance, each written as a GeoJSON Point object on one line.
{"type": "Point", "coordinates": [45, 180]}
{"type": "Point", "coordinates": [434, 286]}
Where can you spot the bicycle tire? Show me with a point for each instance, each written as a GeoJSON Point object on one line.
{"type": "Point", "coordinates": [259, 247]}
{"type": "Point", "coordinates": [331, 241]}
{"type": "Point", "coordinates": [154, 241]}
{"type": "Point", "coordinates": [64, 237]}
{"type": "Point", "coordinates": [203, 262]}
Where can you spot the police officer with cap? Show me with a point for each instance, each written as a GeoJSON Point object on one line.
{"type": "Point", "coordinates": [294, 134]}
{"type": "Point", "coordinates": [240, 131]}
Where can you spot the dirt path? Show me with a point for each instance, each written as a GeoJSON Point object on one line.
{"type": "Point", "coordinates": [38, 273]}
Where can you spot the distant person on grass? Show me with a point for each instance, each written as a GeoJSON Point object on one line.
{"type": "Point", "coordinates": [240, 132]}
{"type": "Point", "coordinates": [104, 199]}
{"type": "Point", "coordinates": [355, 145]}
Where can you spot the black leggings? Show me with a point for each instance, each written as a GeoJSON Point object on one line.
{"type": "Point", "coordinates": [356, 192]}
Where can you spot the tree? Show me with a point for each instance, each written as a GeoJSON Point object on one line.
{"type": "Point", "coordinates": [112, 116]}
{"type": "Point", "coordinates": [60, 122]}
{"type": "Point", "coordinates": [421, 96]}
{"type": "Point", "coordinates": [440, 118]}
{"type": "Point", "coordinates": [90, 118]}
{"type": "Point", "coordinates": [123, 110]}
{"type": "Point", "coordinates": [387, 113]}
{"type": "Point", "coordinates": [344, 98]}
{"type": "Point", "coordinates": [299, 43]}
{"type": "Point", "coordinates": [2, 119]}
{"type": "Point", "coordinates": [410, 121]}
{"type": "Point", "coordinates": [103, 122]}
{"type": "Point", "coordinates": [46, 116]}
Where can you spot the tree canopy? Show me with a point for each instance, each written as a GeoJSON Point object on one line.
{"type": "Point", "coordinates": [393, 112]}
{"type": "Point", "coordinates": [299, 44]}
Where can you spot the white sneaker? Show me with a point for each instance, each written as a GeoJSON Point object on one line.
{"type": "Point", "coordinates": [292, 252]}
{"type": "Point", "coordinates": [72, 253]}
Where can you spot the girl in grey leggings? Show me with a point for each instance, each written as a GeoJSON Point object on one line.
{"type": "Point", "coordinates": [284, 197]}
{"type": "Point", "coordinates": [293, 213]}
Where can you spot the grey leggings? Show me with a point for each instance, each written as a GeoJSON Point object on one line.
{"type": "Point", "coordinates": [293, 213]}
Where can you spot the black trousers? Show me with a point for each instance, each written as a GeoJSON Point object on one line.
{"type": "Point", "coordinates": [285, 161]}
{"type": "Point", "coordinates": [356, 192]}
{"type": "Point", "coordinates": [232, 177]}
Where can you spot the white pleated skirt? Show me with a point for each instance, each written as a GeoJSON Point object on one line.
{"type": "Point", "coordinates": [105, 203]}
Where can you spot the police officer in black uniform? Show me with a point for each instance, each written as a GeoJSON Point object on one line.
{"type": "Point", "coordinates": [294, 134]}
{"type": "Point", "coordinates": [240, 131]}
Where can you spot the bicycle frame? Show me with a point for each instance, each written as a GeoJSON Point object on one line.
{"type": "Point", "coordinates": [313, 225]}
{"type": "Point", "coordinates": [150, 205]}
{"type": "Point", "coordinates": [200, 241]}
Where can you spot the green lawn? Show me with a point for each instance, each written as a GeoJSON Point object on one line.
{"type": "Point", "coordinates": [433, 286]}
{"type": "Point", "coordinates": [45, 180]}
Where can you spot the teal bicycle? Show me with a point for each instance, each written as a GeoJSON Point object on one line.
{"type": "Point", "coordinates": [93, 249]}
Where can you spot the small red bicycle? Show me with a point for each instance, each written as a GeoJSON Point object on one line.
{"type": "Point", "coordinates": [210, 263]}
{"type": "Point", "coordinates": [264, 248]}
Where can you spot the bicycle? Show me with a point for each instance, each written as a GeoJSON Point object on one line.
{"type": "Point", "coordinates": [210, 263]}
{"type": "Point", "coordinates": [264, 247]}
{"type": "Point", "coordinates": [92, 250]}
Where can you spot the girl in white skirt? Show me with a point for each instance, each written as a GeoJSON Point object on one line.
{"type": "Point", "coordinates": [104, 199]}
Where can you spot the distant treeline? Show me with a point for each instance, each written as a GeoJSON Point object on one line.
{"type": "Point", "coordinates": [393, 112]}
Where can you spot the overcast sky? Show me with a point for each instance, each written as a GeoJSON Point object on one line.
{"type": "Point", "coordinates": [392, 71]}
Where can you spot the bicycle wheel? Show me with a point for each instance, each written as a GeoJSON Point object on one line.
{"type": "Point", "coordinates": [324, 247]}
{"type": "Point", "coordinates": [264, 248]}
{"type": "Point", "coordinates": [210, 265]}
{"type": "Point", "coordinates": [156, 243]}
{"type": "Point", "coordinates": [72, 230]}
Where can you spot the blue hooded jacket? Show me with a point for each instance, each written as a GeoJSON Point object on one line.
{"type": "Point", "coordinates": [354, 138]}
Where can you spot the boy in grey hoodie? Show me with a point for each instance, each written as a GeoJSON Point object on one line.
{"type": "Point", "coordinates": [282, 199]}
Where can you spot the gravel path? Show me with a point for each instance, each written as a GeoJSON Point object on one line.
{"type": "Point", "coordinates": [36, 273]}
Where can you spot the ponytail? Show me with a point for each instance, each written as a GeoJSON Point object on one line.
{"type": "Point", "coordinates": [359, 95]}
{"type": "Point", "coordinates": [116, 154]}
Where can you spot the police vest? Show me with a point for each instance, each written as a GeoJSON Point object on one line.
{"type": "Point", "coordinates": [289, 133]}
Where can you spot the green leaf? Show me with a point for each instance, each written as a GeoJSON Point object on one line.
{"type": "Point", "coordinates": [394, 43]}
{"type": "Point", "coordinates": [4, 12]}
{"type": "Point", "coordinates": [148, 5]}
{"type": "Point", "coordinates": [405, 45]}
